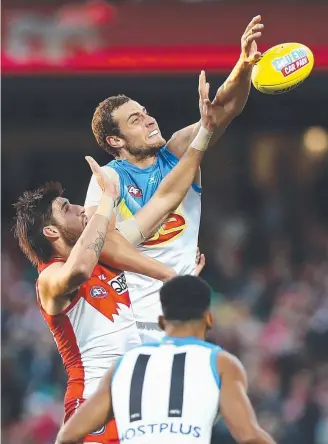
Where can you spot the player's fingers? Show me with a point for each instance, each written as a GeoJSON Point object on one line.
{"type": "Point", "coordinates": [252, 31]}
{"type": "Point", "coordinates": [202, 85]}
{"type": "Point", "coordinates": [198, 256]}
{"type": "Point", "coordinates": [93, 164]}
{"type": "Point", "coordinates": [253, 22]}
{"type": "Point", "coordinates": [202, 260]}
{"type": "Point", "coordinates": [252, 37]}
{"type": "Point", "coordinates": [206, 105]}
{"type": "Point", "coordinates": [200, 265]}
{"type": "Point", "coordinates": [207, 90]}
{"type": "Point", "coordinates": [257, 57]}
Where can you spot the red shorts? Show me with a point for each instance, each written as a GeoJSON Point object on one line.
{"type": "Point", "coordinates": [105, 435]}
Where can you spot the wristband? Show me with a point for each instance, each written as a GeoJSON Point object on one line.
{"type": "Point", "coordinates": [130, 230]}
{"type": "Point", "coordinates": [105, 207]}
{"type": "Point", "coordinates": [202, 140]}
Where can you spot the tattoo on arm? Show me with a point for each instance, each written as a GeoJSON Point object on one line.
{"type": "Point", "coordinates": [98, 244]}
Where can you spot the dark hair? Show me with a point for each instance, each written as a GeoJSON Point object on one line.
{"type": "Point", "coordinates": [103, 124]}
{"type": "Point", "coordinates": [33, 213]}
{"type": "Point", "coordinates": [185, 298]}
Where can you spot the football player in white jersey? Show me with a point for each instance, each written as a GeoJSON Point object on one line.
{"type": "Point", "coordinates": [173, 391]}
{"type": "Point", "coordinates": [124, 129]}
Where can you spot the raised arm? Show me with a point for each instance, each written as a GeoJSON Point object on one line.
{"type": "Point", "coordinates": [235, 405]}
{"type": "Point", "coordinates": [119, 253]}
{"type": "Point", "coordinates": [93, 414]}
{"type": "Point", "coordinates": [232, 96]}
{"type": "Point", "coordinates": [62, 278]}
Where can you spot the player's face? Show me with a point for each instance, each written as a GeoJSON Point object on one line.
{"type": "Point", "coordinates": [141, 135]}
{"type": "Point", "coordinates": [70, 220]}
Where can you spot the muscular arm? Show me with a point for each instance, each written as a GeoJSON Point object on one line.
{"type": "Point", "coordinates": [170, 193]}
{"type": "Point", "coordinates": [235, 405]}
{"type": "Point", "coordinates": [93, 414]}
{"type": "Point", "coordinates": [119, 253]}
{"type": "Point", "coordinates": [230, 101]}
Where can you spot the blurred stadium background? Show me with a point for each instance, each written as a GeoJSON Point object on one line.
{"type": "Point", "coordinates": [265, 199]}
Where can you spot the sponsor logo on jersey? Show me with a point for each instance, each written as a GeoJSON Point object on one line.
{"type": "Point", "coordinates": [118, 283]}
{"type": "Point", "coordinates": [102, 277]}
{"type": "Point", "coordinates": [134, 191]}
{"type": "Point", "coordinates": [98, 292]}
{"type": "Point", "coordinates": [292, 62]}
{"type": "Point", "coordinates": [170, 229]}
{"type": "Point", "coordinates": [159, 428]}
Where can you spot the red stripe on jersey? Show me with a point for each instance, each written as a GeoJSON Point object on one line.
{"type": "Point", "coordinates": [62, 330]}
{"type": "Point", "coordinates": [64, 336]}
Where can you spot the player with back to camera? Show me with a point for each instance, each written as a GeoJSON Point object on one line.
{"type": "Point", "coordinates": [172, 392]}
{"type": "Point", "coordinates": [85, 303]}
{"type": "Point", "coordinates": [123, 128]}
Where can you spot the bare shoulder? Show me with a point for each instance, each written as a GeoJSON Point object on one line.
{"type": "Point", "coordinates": [47, 274]}
{"type": "Point", "coordinates": [230, 365]}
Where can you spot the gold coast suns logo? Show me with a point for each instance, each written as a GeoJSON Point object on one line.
{"type": "Point", "coordinates": [173, 227]}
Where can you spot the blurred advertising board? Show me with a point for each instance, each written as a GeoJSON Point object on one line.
{"type": "Point", "coordinates": [149, 37]}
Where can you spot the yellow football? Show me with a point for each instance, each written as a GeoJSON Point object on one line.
{"type": "Point", "coordinates": [282, 68]}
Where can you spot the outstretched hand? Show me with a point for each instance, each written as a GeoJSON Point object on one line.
{"type": "Point", "coordinates": [106, 185]}
{"type": "Point", "coordinates": [253, 32]}
{"type": "Point", "coordinates": [206, 108]}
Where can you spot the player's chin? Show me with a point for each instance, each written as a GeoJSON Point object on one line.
{"type": "Point", "coordinates": [157, 143]}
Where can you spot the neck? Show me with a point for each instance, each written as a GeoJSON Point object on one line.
{"type": "Point", "coordinates": [141, 162]}
{"type": "Point", "coordinates": [183, 330]}
{"type": "Point", "coordinates": [61, 250]}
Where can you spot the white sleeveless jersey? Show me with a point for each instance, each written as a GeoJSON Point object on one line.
{"type": "Point", "coordinates": [175, 243]}
{"type": "Point", "coordinates": [167, 392]}
{"type": "Point", "coordinates": [96, 328]}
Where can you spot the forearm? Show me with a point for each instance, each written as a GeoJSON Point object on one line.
{"type": "Point", "coordinates": [234, 92]}
{"type": "Point", "coordinates": [261, 437]}
{"type": "Point", "coordinates": [121, 254]}
{"type": "Point", "coordinates": [174, 186]}
{"type": "Point", "coordinates": [85, 253]}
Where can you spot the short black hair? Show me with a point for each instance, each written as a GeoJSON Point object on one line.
{"type": "Point", "coordinates": [103, 123]}
{"type": "Point", "coordinates": [33, 213]}
{"type": "Point", "coordinates": [185, 298]}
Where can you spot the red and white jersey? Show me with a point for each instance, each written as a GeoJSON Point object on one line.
{"type": "Point", "coordinates": [96, 328]}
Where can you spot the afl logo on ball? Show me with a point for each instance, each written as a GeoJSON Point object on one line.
{"type": "Point", "coordinates": [134, 191]}
{"type": "Point", "coordinates": [98, 292]}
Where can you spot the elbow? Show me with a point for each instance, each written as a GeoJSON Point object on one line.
{"type": "Point", "coordinates": [252, 436]}
{"type": "Point", "coordinates": [62, 439]}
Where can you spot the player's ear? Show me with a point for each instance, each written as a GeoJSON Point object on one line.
{"type": "Point", "coordinates": [209, 320]}
{"type": "Point", "coordinates": [115, 142]}
{"type": "Point", "coordinates": [161, 322]}
{"type": "Point", "coordinates": [51, 232]}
